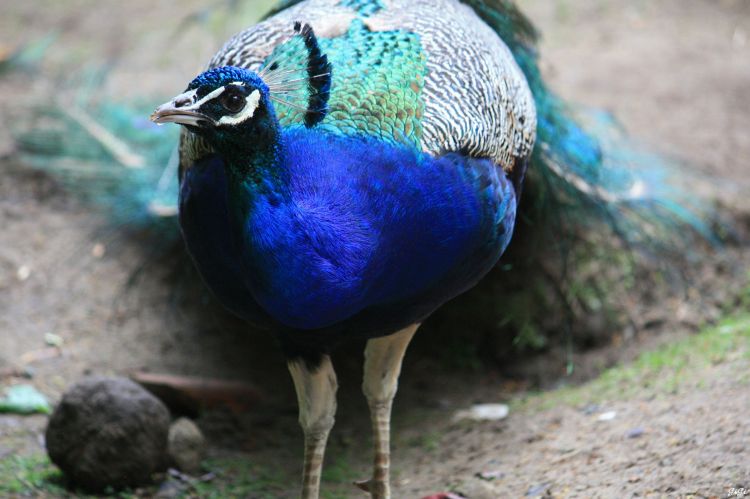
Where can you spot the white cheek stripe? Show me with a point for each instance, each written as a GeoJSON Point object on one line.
{"type": "Point", "coordinates": [251, 104]}
{"type": "Point", "coordinates": [189, 95]}
{"type": "Point", "coordinates": [192, 94]}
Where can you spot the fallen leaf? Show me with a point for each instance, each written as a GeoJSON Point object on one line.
{"type": "Point", "coordinates": [24, 399]}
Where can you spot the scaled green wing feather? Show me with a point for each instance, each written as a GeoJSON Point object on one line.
{"type": "Point", "coordinates": [376, 89]}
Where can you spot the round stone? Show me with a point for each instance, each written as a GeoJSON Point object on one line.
{"type": "Point", "coordinates": [186, 446]}
{"type": "Point", "coordinates": [108, 433]}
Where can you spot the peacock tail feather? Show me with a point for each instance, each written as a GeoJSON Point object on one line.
{"type": "Point", "coordinates": [586, 172]}
{"type": "Point", "coordinates": [112, 156]}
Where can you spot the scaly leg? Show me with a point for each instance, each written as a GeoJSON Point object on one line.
{"type": "Point", "coordinates": [316, 395]}
{"type": "Point", "coordinates": [383, 358]}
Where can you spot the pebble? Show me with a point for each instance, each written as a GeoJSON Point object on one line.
{"type": "Point", "coordinates": [607, 416]}
{"type": "Point", "coordinates": [53, 340]}
{"type": "Point", "coordinates": [537, 490]}
{"type": "Point", "coordinates": [590, 409]}
{"type": "Point", "coordinates": [98, 250]}
{"type": "Point", "coordinates": [23, 272]}
{"type": "Point", "coordinates": [170, 489]}
{"type": "Point", "coordinates": [490, 475]}
{"type": "Point", "coordinates": [635, 432]}
{"type": "Point", "coordinates": [186, 446]}
{"type": "Point", "coordinates": [484, 412]}
{"type": "Point", "coordinates": [477, 489]}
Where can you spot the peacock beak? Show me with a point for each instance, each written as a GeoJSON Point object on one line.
{"type": "Point", "coordinates": [181, 110]}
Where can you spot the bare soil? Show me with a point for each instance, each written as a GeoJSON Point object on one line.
{"type": "Point", "coordinates": [675, 72]}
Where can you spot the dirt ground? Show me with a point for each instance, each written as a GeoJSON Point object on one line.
{"type": "Point", "coordinates": [675, 72]}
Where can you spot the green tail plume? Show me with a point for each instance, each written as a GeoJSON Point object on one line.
{"type": "Point", "coordinates": [593, 173]}
{"type": "Point", "coordinates": [111, 156]}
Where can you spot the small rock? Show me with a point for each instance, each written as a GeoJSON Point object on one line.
{"type": "Point", "coordinates": [490, 475]}
{"type": "Point", "coordinates": [171, 488]}
{"type": "Point", "coordinates": [590, 409]}
{"type": "Point", "coordinates": [186, 446]}
{"type": "Point", "coordinates": [635, 432]}
{"type": "Point", "coordinates": [477, 489]}
{"type": "Point", "coordinates": [53, 340]}
{"type": "Point", "coordinates": [108, 432]}
{"type": "Point", "coordinates": [23, 273]}
{"type": "Point", "coordinates": [667, 461]}
{"type": "Point", "coordinates": [98, 250]}
{"type": "Point", "coordinates": [484, 412]}
{"type": "Point", "coordinates": [607, 416]}
{"type": "Point", "coordinates": [538, 490]}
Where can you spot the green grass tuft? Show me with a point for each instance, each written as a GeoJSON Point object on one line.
{"type": "Point", "coordinates": [30, 476]}
{"type": "Point", "coordinates": [339, 470]}
{"type": "Point", "coordinates": [662, 371]}
{"type": "Point", "coordinates": [239, 476]}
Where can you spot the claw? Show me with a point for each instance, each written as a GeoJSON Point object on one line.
{"type": "Point", "coordinates": [364, 485]}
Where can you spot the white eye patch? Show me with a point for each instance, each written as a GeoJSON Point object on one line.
{"type": "Point", "coordinates": [190, 96]}
{"type": "Point", "coordinates": [251, 104]}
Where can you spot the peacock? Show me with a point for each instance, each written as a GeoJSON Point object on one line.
{"type": "Point", "coordinates": [346, 167]}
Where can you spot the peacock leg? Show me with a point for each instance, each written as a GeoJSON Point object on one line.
{"type": "Point", "coordinates": [316, 395]}
{"type": "Point", "coordinates": [383, 358]}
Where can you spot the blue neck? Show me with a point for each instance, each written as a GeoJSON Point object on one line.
{"type": "Point", "coordinates": [257, 163]}
{"type": "Point", "coordinates": [258, 173]}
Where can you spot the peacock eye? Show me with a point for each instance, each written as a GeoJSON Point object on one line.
{"type": "Point", "coordinates": [232, 102]}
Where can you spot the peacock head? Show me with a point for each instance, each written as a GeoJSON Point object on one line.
{"type": "Point", "coordinates": [231, 107]}
{"type": "Point", "coordinates": [222, 105]}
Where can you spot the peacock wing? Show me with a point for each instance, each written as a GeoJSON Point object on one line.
{"type": "Point", "coordinates": [428, 73]}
